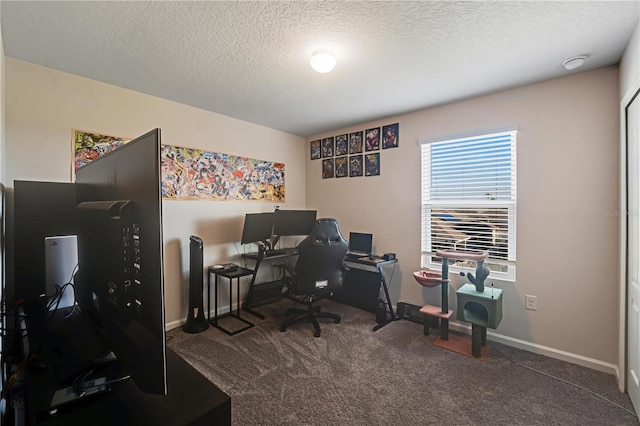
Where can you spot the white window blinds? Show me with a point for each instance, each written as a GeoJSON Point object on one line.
{"type": "Point", "coordinates": [469, 198]}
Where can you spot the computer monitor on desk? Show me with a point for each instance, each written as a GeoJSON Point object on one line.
{"type": "Point", "coordinates": [258, 228]}
{"type": "Point", "coordinates": [265, 229]}
{"type": "Point", "coordinates": [360, 244]}
{"type": "Point", "coordinates": [293, 222]}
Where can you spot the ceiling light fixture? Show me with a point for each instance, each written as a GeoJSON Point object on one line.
{"type": "Point", "coordinates": [575, 62]}
{"type": "Point", "coordinates": [323, 62]}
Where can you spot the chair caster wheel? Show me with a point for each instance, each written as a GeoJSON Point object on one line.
{"type": "Point", "coordinates": [336, 321]}
{"type": "Point", "coordinates": [283, 329]}
{"type": "Point", "coordinates": [316, 334]}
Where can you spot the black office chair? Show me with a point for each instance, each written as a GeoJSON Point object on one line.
{"type": "Point", "coordinates": [319, 272]}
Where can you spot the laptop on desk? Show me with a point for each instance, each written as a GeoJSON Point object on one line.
{"type": "Point", "coordinates": [360, 245]}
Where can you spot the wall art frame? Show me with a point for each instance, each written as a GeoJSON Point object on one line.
{"type": "Point", "coordinates": [372, 139]}
{"type": "Point", "coordinates": [342, 145]}
{"type": "Point", "coordinates": [342, 167]}
{"type": "Point", "coordinates": [327, 168]}
{"type": "Point", "coordinates": [327, 147]}
{"type": "Point", "coordinates": [355, 165]}
{"type": "Point", "coordinates": [315, 148]}
{"type": "Point", "coordinates": [372, 164]}
{"type": "Point", "coordinates": [390, 136]}
{"type": "Point", "coordinates": [355, 142]}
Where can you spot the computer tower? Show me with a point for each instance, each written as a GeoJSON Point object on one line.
{"type": "Point", "coordinates": [196, 321]}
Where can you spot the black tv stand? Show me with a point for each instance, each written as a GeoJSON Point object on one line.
{"type": "Point", "coordinates": [191, 398]}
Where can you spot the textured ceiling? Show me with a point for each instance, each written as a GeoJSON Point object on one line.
{"type": "Point", "coordinates": [250, 60]}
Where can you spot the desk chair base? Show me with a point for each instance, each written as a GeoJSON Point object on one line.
{"type": "Point", "coordinates": [311, 314]}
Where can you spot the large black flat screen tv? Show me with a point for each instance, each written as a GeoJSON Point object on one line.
{"type": "Point", "coordinates": [120, 256]}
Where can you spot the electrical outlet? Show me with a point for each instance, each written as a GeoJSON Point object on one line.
{"type": "Point", "coordinates": [531, 302]}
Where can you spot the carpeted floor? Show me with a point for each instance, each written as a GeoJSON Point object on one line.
{"type": "Point", "coordinates": [354, 376]}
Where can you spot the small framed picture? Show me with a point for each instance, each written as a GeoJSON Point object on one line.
{"type": "Point", "coordinates": [372, 164]}
{"type": "Point", "coordinates": [327, 168]}
{"type": "Point", "coordinates": [341, 145]}
{"type": "Point", "coordinates": [327, 147]}
{"type": "Point", "coordinates": [390, 136]}
{"type": "Point", "coordinates": [355, 165]}
{"type": "Point", "coordinates": [342, 167]}
{"type": "Point", "coordinates": [316, 150]}
{"type": "Point", "coordinates": [355, 142]}
{"type": "Point", "coordinates": [372, 139]}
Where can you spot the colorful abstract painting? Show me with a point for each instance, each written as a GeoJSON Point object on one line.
{"type": "Point", "coordinates": [88, 146]}
{"type": "Point", "coordinates": [194, 174]}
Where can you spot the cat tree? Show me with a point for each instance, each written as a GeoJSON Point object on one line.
{"type": "Point", "coordinates": [476, 304]}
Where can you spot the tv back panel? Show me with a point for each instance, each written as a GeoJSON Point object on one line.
{"type": "Point", "coordinates": [120, 252]}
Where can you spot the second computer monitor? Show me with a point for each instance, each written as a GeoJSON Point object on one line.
{"type": "Point", "coordinates": [257, 227]}
{"type": "Point", "coordinates": [293, 222]}
{"type": "Point", "coordinates": [360, 242]}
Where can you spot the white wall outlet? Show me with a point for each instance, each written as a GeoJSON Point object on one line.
{"type": "Point", "coordinates": [531, 302]}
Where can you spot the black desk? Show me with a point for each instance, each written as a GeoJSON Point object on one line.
{"type": "Point", "coordinates": [262, 293]}
{"type": "Point", "coordinates": [361, 287]}
{"type": "Point", "coordinates": [236, 274]}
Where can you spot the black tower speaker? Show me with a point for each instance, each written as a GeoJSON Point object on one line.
{"type": "Point", "coordinates": [196, 321]}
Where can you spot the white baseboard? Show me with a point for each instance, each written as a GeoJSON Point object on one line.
{"type": "Point", "coordinates": [174, 324]}
{"type": "Point", "coordinates": [179, 323]}
{"type": "Point", "coordinates": [584, 361]}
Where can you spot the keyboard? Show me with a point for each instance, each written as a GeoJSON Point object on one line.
{"type": "Point", "coordinates": [271, 253]}
{"type": "Point", "coordinates": [356, 254]}
{"type": "Point", "coordinates": [278, 252]}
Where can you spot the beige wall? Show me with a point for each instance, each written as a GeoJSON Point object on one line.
{"type": "Point", "coordinates": [567, 247]}
{"type": "Point", "coordinates": [44, 105]}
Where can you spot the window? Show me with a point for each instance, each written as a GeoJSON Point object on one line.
{"type": "Point", "coordinates": [469, 200]}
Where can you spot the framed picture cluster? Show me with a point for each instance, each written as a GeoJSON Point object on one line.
{"type": "Point", "coordinates": [354, 154]}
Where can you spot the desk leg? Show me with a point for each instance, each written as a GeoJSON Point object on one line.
{"type": "Point", "coordinates": [385, 287]}
{"type": "Point", "coordinates": [208, 296]}
{"type": "Point", "coordinates": [249, 299]}
{"type": "Point", "coordinates": [215, 301]}
{"type": "Point", "coordinates": [238, 296]}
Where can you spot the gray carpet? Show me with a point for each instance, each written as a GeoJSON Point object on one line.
{"type": "Point", "coordinates": [354, 376]}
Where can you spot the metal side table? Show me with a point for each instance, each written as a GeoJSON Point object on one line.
{"type": "Point", "coordinates": [236, 274]}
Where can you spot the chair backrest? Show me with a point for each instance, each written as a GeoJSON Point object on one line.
{"type": "Point", "coordinates": [320, 265]}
